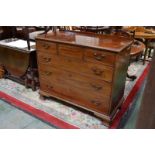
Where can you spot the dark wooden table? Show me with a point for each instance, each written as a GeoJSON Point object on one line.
{"type": "Point", "coordinates": [148, 36]}
{"type": "Point", "coordinates": [137, 48]}
{"type": "Point", "coordinates": [19, 63]}
{"type": "Point", "coordinates": [142, 33]}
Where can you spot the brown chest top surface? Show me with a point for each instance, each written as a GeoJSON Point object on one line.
{"type": "Point", "coordinates": [105, 42]}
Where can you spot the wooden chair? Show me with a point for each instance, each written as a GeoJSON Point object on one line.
{"type": "Point", "coordinates": [21, 32]}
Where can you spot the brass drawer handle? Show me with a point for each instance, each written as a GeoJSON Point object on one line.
{"type": "Point", "coordinates": [97, 71]}
{"type": "Point", "coordinates": [129, 48]}
{"type": "Point", "coordinates": [47, 59]}
{"type": "Point", "coordinates": [99, 56]}
{"type": "Point", "coordinates": [96, 87]}
{"type": "Point", "coordinates": [48, 73]}
{"type": "Point", "coordinates": [46, 46]}
{"type": "Point", "coordinates": [96, 102]}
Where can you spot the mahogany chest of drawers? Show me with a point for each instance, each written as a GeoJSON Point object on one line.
{"type": "Point", "coordinates": [86, 70]}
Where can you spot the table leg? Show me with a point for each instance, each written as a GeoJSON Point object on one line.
{"type": "Point", "coordinates": [145, 53]}
{"type": "Point", "coordinates": [149, 53]}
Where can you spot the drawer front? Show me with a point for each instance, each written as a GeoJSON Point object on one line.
{"type": "Point", "coordinates": [98, 56]}
{"type": "Point", "coordinates": [77, 96]}
{"type": "Point", "coordinates": [44, 58]}
{"type": "Point", "coordinates": [93, 70]}
{"type": "Point", "coordinates": [95, 87]}
{"type": "Point", "coordinates": [46, 46]}
{"type": "Point", "coordinates": [71, 51]}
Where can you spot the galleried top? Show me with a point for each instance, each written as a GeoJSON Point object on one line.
{"type": "Point", "coordinates": [113, 43]}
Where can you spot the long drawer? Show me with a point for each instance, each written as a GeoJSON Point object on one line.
{"type": "Point", "coordinates": [76, 95]}
{"type": "Point", "coordinates": [98, 71]}
{"type": "Point", "coordinates": [99, 87]}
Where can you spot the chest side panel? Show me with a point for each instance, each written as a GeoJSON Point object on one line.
{"type": "Point", "coordinates": [119, 79]}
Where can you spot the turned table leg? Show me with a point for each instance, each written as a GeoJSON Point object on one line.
{"type": "Point", "coordinates": [145, 52]}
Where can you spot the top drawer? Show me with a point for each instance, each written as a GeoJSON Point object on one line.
{"type": "Point", "coordinates": [46, 46]}
{"type": "Point", "coordinates": [106, 58]}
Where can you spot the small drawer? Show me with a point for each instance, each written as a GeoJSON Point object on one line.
{"type": "Point", "coordinates": [100, 56]}
{"type": "Point", "coordinates": [46, 46]}
{"type": "Point", "coordinates": [71, 51]}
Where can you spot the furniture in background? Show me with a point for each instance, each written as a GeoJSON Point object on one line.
{"type": "Point", "coordinates": [150, 46]}
{"type": "Point", "coordinates": [64, 28]}
{"type": "Point", "coordinates": [98, 29]}
{"type": "Point", "coordinates": [145, 35]}
{"type": "Point", "coordinates": [28, 32]}
{"type": "Point", "coordinates": [6, 32]}
{"type": "Point", "coordinates": [19, 62]}
{"type": "Point", "coordinates": [84, 69]}
{"type": "Point", "coordinates": [21, 32]}
{"type": "Point", "coordinates": [94, 29]}
{"type": "Point", "coordinates": [137, 49]}
{"type": "Point", "coordinates": [18, 55]}
{"type": "Point", "coordinates": [151, 43]}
